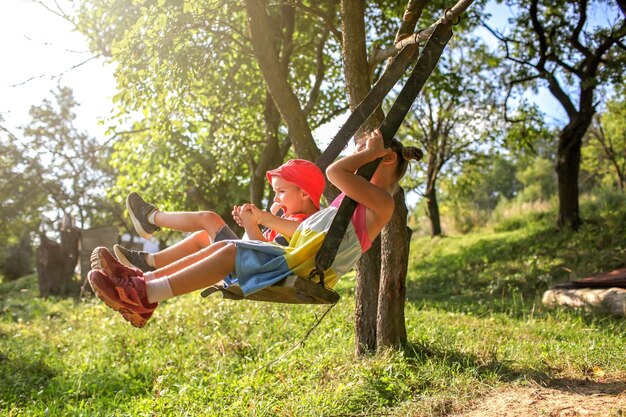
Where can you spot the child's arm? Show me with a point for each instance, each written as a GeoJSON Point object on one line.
{"type": "Point", "coordinates": [342, 174]}
{"type": "Point", "coordinates": [281, 225]}
{"type": "Point", "coordinates": [248, 219]}
{"type": "Point", "coordinates": [285, 227]}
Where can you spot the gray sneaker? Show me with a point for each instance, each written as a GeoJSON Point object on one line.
{"type": "Point", "coordinates": [139, 212]}
{"type": "Point", "coordinates": [132, 258]}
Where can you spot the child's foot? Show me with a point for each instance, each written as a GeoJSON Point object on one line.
{"type": "Point", "coordinates": [125, 295]}
{"type": "Point", "coordinates": [103, 260]}
{"type": "Point", "coordinates": [133, 258]}
{"type": "Point", "coordinates": [139, 212]}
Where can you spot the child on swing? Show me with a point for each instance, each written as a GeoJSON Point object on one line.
{"type": "Point", "coordinates": [298, 185]}
{"type": "Point", "coordinates": [260, 264]}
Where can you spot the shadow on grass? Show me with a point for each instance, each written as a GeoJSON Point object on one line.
{"type": "Point", "coordinates": [588, 387]}
{"type": "Point", "coordinates": [20, 380]}
{"type": "Point", "coordinates": [461, 362]}
{"type": "Point", "coordinates": [509, 272]}
{"type": "Point", "coordinates": [23, 382]}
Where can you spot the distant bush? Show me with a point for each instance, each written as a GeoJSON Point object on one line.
{"type": "Point", "coordinates": [602, 202]}
{"type": "Point", "coordinates": [539, 180]}
{"type": "Point", "coordinates": [18, 259]}
{"type": "Point", "coordinates": [516, 214]}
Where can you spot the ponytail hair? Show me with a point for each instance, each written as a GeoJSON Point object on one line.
{"type": "Point", "coordinates": [405, 154]}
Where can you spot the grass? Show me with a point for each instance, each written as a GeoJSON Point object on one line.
{"type": "Point", "coordinates": [474, 322]}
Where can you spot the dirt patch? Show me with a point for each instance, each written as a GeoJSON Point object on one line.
{"type": "Point", "coordinates": [561, 398]}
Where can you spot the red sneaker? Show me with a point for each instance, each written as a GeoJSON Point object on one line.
{"type": "Point", "coordinates": [103, 260]}
{"type": "Point", "coordinates": [126, 295]}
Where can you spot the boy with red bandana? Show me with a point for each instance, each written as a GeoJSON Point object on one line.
{"type": "Point", "coordinates": [298, 185]}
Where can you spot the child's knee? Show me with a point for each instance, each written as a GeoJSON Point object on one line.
{"type": "Point", "coordinates": [201, 239]}
{"type": "Point", "coordinates": [210, 221]}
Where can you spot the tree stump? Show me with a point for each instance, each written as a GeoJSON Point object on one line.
{"type": "Point", "coordinates": [56, 262]}
{"type": "Point", "coordinates": [89, 240]}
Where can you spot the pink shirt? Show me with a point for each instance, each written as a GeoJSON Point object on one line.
{"type": "Point", "coordinates": [358, 222]}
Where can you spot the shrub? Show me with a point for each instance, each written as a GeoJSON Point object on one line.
{"type": "Point", "coordinates": [18, 260]}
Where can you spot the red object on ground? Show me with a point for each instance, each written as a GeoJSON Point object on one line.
{"type": "Point", "coordinates": [612, 279]}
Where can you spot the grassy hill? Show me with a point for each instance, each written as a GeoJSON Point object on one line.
{"type": "Point", "coordinates": [474, 320]}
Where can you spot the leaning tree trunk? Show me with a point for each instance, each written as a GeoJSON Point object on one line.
{"type": "Point", "coordinates": [395, 238]}
{"type": "Point", "coordinates": [270, 156]}
{"type": "Point", "coordinates": [275, 76]}
{"type": "Point", "coordinates": [56, 263]}
{"type": "Point", "coordinates": [567, 169]}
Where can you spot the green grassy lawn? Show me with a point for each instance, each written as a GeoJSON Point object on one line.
{"type": "Point", "coordinates": [474, 321]}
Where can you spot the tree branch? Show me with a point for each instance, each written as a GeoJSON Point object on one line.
{"type": "Point", "coordinates": [540, 32]}
{"type": "Point", "coordinates": [574, 39]}
{"type": "Point", "coordinates": [59, 75]}
{"type": "Point", "coordinates": [328, 20]}
{"type": "Point", "coordinates": [319, 74]}
{"type": "Point", "coordinates": [422, 36]}
{"type": "Point", "coordinates": [276, 79]}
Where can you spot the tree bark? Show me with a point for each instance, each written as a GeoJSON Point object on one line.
{"type": "Point", "coordinates": [568, 167]}
{"type": "Point", "coordinates": [433, 210]}
{"type": "Point", "coordinates": [366, 299]}
{"type": "Point", "coordinates": [56, 263]}
{"type": "Point", "coordinates": [271, 155]}
{"type": "Point", "coordinates": [358, 85]}
{"type": "Point", "coordinates": [275, 77]}
{"type": "Point", "coordinates": [395, 238]}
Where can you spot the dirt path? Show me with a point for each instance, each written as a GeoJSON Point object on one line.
{"type": "Point", "coordinates": [562, 398]}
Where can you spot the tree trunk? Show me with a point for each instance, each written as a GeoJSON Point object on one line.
{"type": "Point", "coordinates": [433, 210]}
{"type": "Point", "coordinates": [276, 79]}
{"type": "Point", "coordinates": [56, 263]}
{"type": "Point", "coordinates": [270, 156]}
{"type": "Point", "coordinates": [395, 238]}
{"type": "Point", "coordinates": [390, 325]}
{"type": "Point", "coordinates": [567, 169]}
{"type": "Point", "coordinates": [366, 299]}
{"type": "Point", "coordinates": [257, 189]}
{"type": "Point", "coordinates": [358, 86]}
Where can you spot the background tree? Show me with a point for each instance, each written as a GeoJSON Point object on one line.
{"type": "Point", "coordinates": [473, 194]}
{"type": "Point", "coordinates": [54, 173]}
{"type": "Point", "coordinates": [207, 118]}
{"type": "Point", "coordinates": [71, 167]}
{"type": "Point", "coordinates": [557, 45]}
{"type": "Point", "coordinates": [455, 116]}
{"type": "Point", "coordinates": [605, 155]}
{"type": "Point", "coordinates": [22, 197]}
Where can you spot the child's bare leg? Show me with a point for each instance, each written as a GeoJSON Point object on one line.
{"type": "Point", "coordinates": [192, 221]}
{"type": "Point", "coordinates": [205, 272]}
{"type": "Point", "coordinates": [188, 246]}
{"type": "Point", "coordinates": [189, 260]}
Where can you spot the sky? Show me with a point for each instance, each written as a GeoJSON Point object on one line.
{"type": "Point", "coordinates": [39, 50]}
